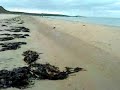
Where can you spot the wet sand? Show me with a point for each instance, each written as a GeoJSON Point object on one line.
{"type": "Point", "coordinates": [92, 47]}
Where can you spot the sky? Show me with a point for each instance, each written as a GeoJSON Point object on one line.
{"type": "Point", "coordinates": [91, 8]}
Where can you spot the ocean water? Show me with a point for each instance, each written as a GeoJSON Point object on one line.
{"type": "Point", "coordinates": [94, 20]}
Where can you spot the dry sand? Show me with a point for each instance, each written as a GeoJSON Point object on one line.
{"type": "Point", "coordinates": [92, 47]}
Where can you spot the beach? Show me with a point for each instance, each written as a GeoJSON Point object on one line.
{"type": "Point", "coordinates": [65, 43]}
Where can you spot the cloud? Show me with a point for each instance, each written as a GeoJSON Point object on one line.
{"type": "Point", "coordinates": [76, 7]}
{"type": "Point", "coordinates": [113, 11]}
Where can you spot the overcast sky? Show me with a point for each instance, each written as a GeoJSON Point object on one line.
{"type": "Point", "coordinates": [100, 8]}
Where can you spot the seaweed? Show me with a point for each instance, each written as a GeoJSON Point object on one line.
{"type": "Point", "coordinates": [30, 56]}
{"type": "Point", "coordinates": [3, 25]}
{"type": "Point", "coordinates": [54, 27]}
{"type": "Point", "coordinates": [21, 22]}
{"type": "Point", "coordinates": [6, 38]}
{"type": "Point", "coordinates": [18, 77]}
{"type": "Point", "coordinates": [11, 46]}
{"type": "Point", "coordinates": [19, 35]}
{"type": "Point", "coordinates": [16, 35]}
{"type": "Point", "coordinates": [18, 29]}
{"type": "Point", "coordinates": [23, 77]}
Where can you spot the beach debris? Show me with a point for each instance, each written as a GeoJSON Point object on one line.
{"type": "Point", "coordinates": [54, 27]}
{"type": "Point", "coordinates": [11, 46]}
{"type": "Point", "coordinates": [21, 22]}
{"type": "Point", "coordinates": [6, 38]}
{"type": "Point", "coordinates": [6, 22]}
{"type": "Point", "coordinates": [17, 78]}
{"type": "Point", "coordinates": [6, 34]}
{"type": "Point", "coordinates": [9, 36]}
{"type": "Point", "coordinates": [13, 20]}
{"type": "Point", "coordinates": [47, 71]}
{"type": "Point", "coordinates": [84, 25]}
{"type": "Point", "coordinates": [70, 70]}
{"type": "Point", "coordinates": [23, 77]}
{"type": "Point", "coordinates": [16, 35]}
{"type": "Point", "coordinates": [20, 35]}
{"type": "Point", "coordinates": [50, 72]}
{"type": "Point", "coordinates": [18, 29]}
{"type": "Point", "coordinates": [30, 56]}
{"type": "Point", "coordinates": [3, 25]}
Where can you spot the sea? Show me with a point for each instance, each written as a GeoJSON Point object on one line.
{"type": "Point", "coordinates": [94, 20]}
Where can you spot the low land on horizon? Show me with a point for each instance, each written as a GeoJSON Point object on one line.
{"type": "Point", "coordinates": [4, 11]}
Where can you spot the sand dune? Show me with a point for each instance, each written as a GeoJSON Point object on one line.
{"type": "Point", "coordinates": [92, 47]}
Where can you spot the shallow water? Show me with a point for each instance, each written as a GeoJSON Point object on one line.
{"type": "Point", "coordinates": [94, 20]}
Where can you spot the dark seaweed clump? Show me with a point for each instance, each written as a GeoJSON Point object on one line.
{"type": "Point", "coordinates": [18, 77]}
{"type": "Point", "coordinates": [18, 29]}
{"type": "Point", "coordinates": [6, 38]}
{"type": "Point", "coordinates": [11, 46]}
{"type": "Point", "coordinates": [4, 25]}
{"type": "Point", "coordinates": [30, 56]}
{"type": "Point", "coordinates": [23, 77]}
{"type": "Point", "coordinates": [12, 36]}
{"type": "Point", "coordinates": [21, 22]}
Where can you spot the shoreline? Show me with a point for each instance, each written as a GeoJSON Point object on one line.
{"type": "Point", "coordinates": [80, 21]}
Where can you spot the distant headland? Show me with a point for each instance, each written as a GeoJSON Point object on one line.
{"type": "Point", "coordinates": [4, 11]}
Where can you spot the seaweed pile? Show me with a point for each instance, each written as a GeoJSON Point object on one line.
{"type": "Point", "coordinates": [18, 77]}
{"type": "Point", "coordinates": [14, 20]}
{"type": "Point", "coordinates": [11, 46]}
{"type": "Point", "coordinates": [17, 32]}
{"type": "Point", "coordinates": [12, 36]}
{"type": "Point", "coordinates": [6, 38]}
{"type": "Point", "coordinates": [30, 56]}
{"type": "Point", "coordinates": [23, 77]}
{"type": "Point", "coordinates": [3, 25]}
{"type": "Point", "coordinates": [18, 29]}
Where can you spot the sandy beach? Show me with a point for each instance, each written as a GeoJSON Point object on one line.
{"type": "Point", "coordinates": [64, 43]}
